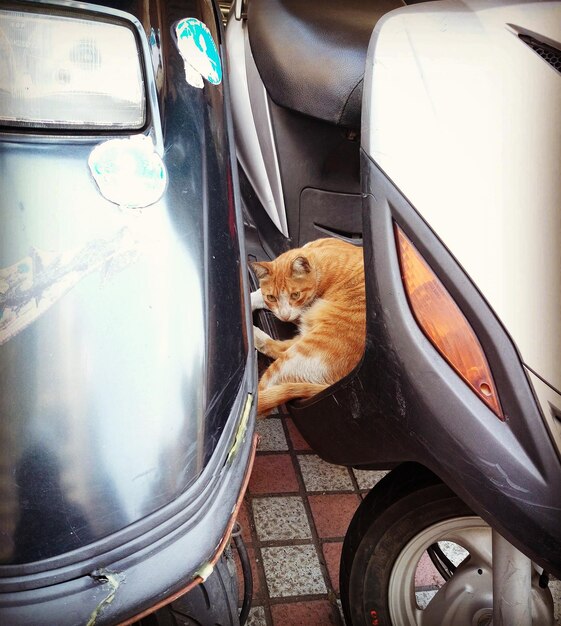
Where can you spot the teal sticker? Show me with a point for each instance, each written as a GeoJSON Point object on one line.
{"type": "Point", "coordinates": [129, 172]}
{"type": "Point", "coordinates": [199, 52]}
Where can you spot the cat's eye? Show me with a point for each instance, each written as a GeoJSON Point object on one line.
{"type": "Point", "coordinates": [295, 295]}
{"type": "Point", "coordinates": [271, 298]}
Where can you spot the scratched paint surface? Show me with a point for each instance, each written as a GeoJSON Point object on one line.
{"type": "Point", "coordinates": [31, 286]}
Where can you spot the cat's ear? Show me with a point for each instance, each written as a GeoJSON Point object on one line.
{"type": "Point", "coordinates": [261, 269]}
{"type": "Point", "coordinates": [301, 266]}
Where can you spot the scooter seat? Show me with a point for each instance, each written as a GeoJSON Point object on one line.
{"type": "Point", "coordinates": [311, 55]}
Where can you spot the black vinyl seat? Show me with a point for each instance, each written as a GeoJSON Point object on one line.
{"type": "Point", "coordinates": [311, 54]}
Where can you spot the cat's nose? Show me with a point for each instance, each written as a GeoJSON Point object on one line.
{"type": "Point", "coordinates": [284, 313]}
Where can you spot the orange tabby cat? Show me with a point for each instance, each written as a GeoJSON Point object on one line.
{"type": "Point", "coordinates": [319, 287]}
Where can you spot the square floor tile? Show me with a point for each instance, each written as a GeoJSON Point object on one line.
{"type": "Point", "coordinates": [273, 473]}
{"type": "Point", "coordinates": [333, 513]}
{"type": "Point", "coordinates": [332, 555]}
{"type": "Point", "coordinates": [366, 479]}
{"type": "Point", "coordinates": [555, 587]}
{"type": "Point", "coordinates": [298, 442]}
{"type": "Point", "coordinates": [321, 476]}
{"type": "Point", "coordinates": [271, 435]}
{"type": "Point", "coordinates": [292, 570]}
{"type": "Point", "coordinates": [341, 612]}
{"type": "Point", "coordinates": [426, 574]}
{"type": "Point", "coordinates": [313, 613]}
{"type": "Point", "coordinates": [256, 616]}
{"type": "Point", "coordinates": [281, 518]}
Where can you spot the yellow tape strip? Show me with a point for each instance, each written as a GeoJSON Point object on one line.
{"type": "Point", "coordinates": [242, 428]}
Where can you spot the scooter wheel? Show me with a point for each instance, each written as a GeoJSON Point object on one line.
{"type": "Point", "coordinates": [409, 511]}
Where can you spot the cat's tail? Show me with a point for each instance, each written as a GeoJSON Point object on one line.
{"type": "Point", "coordinates": [279, 394]}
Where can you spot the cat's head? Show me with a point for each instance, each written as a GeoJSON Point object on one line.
{"type": "Point", "coordinates": [288, 285]}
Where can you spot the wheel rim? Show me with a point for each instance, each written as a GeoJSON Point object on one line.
{"type": "Point", "coordinates": [465, 599]}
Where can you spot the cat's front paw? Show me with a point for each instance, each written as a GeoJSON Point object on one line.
{"type": "Point", "coordinates": [260, 339]}
{"type": "Point", "coordinates": [257, 301]}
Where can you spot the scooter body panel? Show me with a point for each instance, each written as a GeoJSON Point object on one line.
{"type": "Point", "coordinates": [124, 335]}
{"type": "Point", "coordinates": [461, 117]}
{"type": "Point", "coordinates": [255, 142]}
{"type": "Point", "coordinates": [405, 403]}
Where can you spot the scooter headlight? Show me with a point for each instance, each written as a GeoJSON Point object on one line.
{"type": "Point", "coordinates": [58, 71]}
{"type": "Point", "coordinates": [444, 324]}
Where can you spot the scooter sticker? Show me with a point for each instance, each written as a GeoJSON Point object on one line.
{"type": "Point", "coordinates": [199, 52]}
{"type": "Point", "coordinates": [128, 172]}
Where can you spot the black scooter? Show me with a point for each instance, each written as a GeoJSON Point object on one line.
{"type": "Point", "coordinates": [128, 375]}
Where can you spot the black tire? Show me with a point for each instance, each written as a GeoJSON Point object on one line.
{"type": "Point", "coordinates": [212, 603]}
{"type": "Point", "coordinates": [405, 502]}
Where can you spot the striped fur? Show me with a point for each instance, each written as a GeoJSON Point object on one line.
{"type": "Point", "coordinates": [319, 287]}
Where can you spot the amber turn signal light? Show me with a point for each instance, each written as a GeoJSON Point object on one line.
{"type": "Point", "coordinates": [444, 324]}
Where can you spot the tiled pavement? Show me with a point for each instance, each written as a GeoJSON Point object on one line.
{"type": "Point", "coordinates": [294, 519]}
